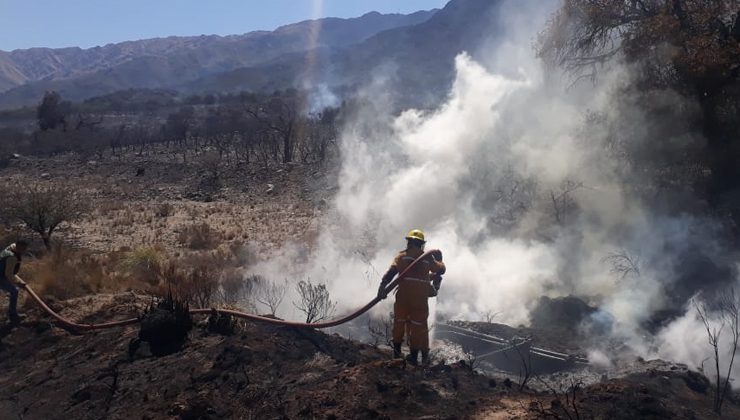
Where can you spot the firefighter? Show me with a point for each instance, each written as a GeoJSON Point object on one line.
{"type": "Point", "coordinates": [10, 264]}
{"type": "Point", "coordinates": [411, 310]}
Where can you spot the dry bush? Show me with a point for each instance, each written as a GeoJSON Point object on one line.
{"type": "Point", "coordinates": [224, 254]}
{"type": "Point", "coordinates": [315, 301]}
{"type": "Point", "coordinates": [164, 210]}
{"type": "Point", "coordinates": [202, 285]}
{"type": "Point", "coordinates": [234, 290]}
{"type": "Point", "coordinates": [193, 282]}
{"type": "Point", "coordinates": [193, 212]}
{"type": "Point", "coordinates": [269, 293]}
{"type": "Point", "coordinates": [124, 218]}
{"type": "Point", "coordinates": [143, 264]}
{"type": "Point", "coordinates": [199, 237]}
{"type": "Point", "coordinates": [66, 274]}
{"type": "Point", "coordinates": [165, 326]}
{"type": "Point", "coordinates": [565, 403]}
{"type": "Point", "coordinates": [243, 254]}
{"type": "Point", "coordinates": [170, 278]}
{"type": "Point", "coordinates": [381, 329]}
{"type": "Point", "coordinates": [223, 324]}
{"type": "Point", "coordinates": [108, 208]}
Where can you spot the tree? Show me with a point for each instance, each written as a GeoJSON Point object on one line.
{"type": "Point", "coordinates": [281, 116]}
{"type": "Point", "coordinates": [180, 123]}
{"type": "Point", "coordinates": [43, 208]}
{"type": "Point", "coordinates": [697, 39]}
{"type": "Point", "coordinates": [490, 315]}
{"type": "Point", "coordinates": [688, 46]}
{"type": "Point", "coordinates": [563, 203]}
{"type": "Point", "coordinates": [315, 301]}
{"type": "Point", "coordinates": [727, 309]}
{"type": "Point", "coordinates": [271, 295]}
{"type": "Point", "coordinates": [51, 112]}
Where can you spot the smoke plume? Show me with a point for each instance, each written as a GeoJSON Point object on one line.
{"type": "Point", "coordinates": [518, 178]}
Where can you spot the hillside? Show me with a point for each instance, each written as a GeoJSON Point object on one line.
{"type": "Point", "coordinates": [414, 54]}
{"type": "Point", "coordinates": [165, 62]}
{"type": "Point", "coordinates": [417, 61]}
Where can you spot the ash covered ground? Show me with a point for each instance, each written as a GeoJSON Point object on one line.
{"type": "Point", "coordinates": [275, 372]}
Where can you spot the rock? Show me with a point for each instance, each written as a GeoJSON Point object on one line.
{"type": "Point", "coordinates": [45, 175]}
{"type": "Point", "coordinates": [270, 189]}
{"type": "Point", "coordinates": [567, 313]}
{"type": "Point", "coordinates": [15, 156]}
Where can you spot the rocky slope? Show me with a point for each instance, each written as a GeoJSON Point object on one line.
{"type": "Point", "coordinates": [166, 62]}
{"type": "Point", "coordinates": [414, 55]}
{"type": "Point", "coordinates": [416, 61]}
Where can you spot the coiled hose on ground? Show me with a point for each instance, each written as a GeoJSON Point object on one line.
{"type": "Point", "coordinates": [72, 326]}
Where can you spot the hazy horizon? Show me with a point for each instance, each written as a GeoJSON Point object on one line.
{"type": "Point", "coordinates": [87, 24]}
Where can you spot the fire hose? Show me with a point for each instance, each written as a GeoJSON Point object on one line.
{"type": "Point", "coordinates": [72, 326]}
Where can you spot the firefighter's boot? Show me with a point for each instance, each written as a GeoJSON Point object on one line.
{"type": "Point", "coordinates": [397, 351]}
{"type": "Point", "coordinates": [425, 357]}
{"type": "Point", "coordinates": [413, 357]}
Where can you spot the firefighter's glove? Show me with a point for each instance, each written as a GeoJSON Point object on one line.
{"type": "Point", "coordinates": [437, 255]}
{"type": "Point", "coordinates": [437, 281]}
{"type": "Point", "coordinates": [382, 293]}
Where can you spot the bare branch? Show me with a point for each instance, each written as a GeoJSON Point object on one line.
{"type": "Point", "coordinates": [315, 301]}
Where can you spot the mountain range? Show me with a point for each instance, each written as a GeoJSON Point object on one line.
{"type": "Point", "coordinates": [414, 51]}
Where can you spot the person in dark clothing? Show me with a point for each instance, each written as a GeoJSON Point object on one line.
{"type": "Point", "coordinates": [10, 265]}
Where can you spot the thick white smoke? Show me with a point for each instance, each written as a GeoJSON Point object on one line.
{"type": "Point", "coordinates": [504, 180]}
{"type": "Point", "coordinates": [685, 340]}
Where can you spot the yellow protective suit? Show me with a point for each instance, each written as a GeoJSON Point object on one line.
{"type": "Point", "coordinates": [411, 310]}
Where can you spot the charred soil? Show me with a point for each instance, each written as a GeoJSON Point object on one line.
{"type": "Point", "coordinates": [263, 371]}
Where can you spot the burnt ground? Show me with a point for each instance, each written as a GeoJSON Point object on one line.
{"type": "Point", "coordinates": [274, 372]}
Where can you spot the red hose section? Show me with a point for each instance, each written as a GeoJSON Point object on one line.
{"type": "Point", "coordinates": [66, 324]}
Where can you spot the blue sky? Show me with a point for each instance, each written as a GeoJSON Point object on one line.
{"type": "Point", "coordinates": [86, 23]}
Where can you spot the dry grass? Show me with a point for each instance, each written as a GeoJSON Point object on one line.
{"type": "Point", "coordinates": [193, 226]}
{"type": "Point", "coordinates": [66, 274]}
{"type": "Point", "coordinates": [199, 236]}
{"type": "Point", "coordinates": [143, 264]}
{"type": "Point", "coordinates": [164, 210]}
{"type": "Point", "coordinates": [202, 279]}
